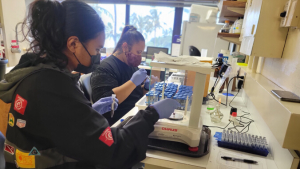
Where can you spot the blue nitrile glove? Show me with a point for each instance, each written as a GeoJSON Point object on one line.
{"type": "Point", "coordinates": [104, 105]}
{"type": "Point", "coordinates": [165, 107]}
{"type": "Point", "coordinates": [154, 79]}
{"type": "Point", "coordinates": [139, 76]}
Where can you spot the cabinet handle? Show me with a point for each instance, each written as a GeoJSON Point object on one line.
{"type": "Point", "coordinates": [253, 28]}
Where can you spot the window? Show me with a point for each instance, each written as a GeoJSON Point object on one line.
{"type": "Point", "coordinates": [113, 16]}
{"type": "Point", "coordinates": [185, 15]}
{"type": "Point", "coordinates": [155, 23]}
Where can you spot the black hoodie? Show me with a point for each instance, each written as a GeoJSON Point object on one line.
{"type": "Point", "coordinates": [52, 125]}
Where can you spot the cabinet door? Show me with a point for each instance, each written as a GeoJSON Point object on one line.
{"type": "Point", "coordinates": [251, 17]}
{"type": "Point", "coordinates": [250, 23]}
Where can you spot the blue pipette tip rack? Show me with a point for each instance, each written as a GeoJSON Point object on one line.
{"type": "Point", "coordinates": [238, 147]}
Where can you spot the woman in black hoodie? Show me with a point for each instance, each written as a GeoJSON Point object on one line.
{"type": "Point", "coordinates": [50, 123]}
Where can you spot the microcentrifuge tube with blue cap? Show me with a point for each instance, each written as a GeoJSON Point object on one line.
{"type": "Point", "coordinates": [147, 99]}
{"type": "Point", "coordinates": [152, 97]}
{"type": "Point", "coordinates": [175, 97]}
{"type": "Point", "coordinates": [184, 102]}
{"type": "Point", "coordinates": [159, 97]}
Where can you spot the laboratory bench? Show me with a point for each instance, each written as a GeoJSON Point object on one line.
{"type": "Point", "coordinates": [160, 159]}
{"type": "Point", "coordinates": [256, 98]}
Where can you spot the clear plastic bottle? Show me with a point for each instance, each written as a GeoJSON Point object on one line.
{"type": "Point", "coordinates": [238, 25]}
{"type": "Point", "coordinates": [226, 27]}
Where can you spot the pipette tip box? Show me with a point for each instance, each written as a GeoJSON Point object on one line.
{"type": "Point", "coordinates": [252, 148]}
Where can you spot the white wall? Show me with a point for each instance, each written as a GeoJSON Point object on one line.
{"type": "Point", "coordinates": [27, 2]}
{"type": "Point", "coordinates": [12, 12]}
{"type": "Point", "coordinates": [285, 72]}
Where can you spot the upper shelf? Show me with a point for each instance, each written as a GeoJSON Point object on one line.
{"type": "Point", "coordinates": [230, 37]}
{"type": "Point", "coordinates": [231, 10]}
{"type": "Point", "coordinates": [200, 69]}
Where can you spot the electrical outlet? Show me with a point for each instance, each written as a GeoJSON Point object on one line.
{"type": "Point", "coordinates": [290, 17]}
{"type": "Point", "coordinates": [284, 13]}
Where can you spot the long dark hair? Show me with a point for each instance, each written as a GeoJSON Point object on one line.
{"type": "Point", "coordinates": [129, 35]}
{"type": "Point", "coordinates": [51, 23]}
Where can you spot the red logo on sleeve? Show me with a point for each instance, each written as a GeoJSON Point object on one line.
{"type": "Point", "coordinates": [20, 104]}
{"type": "Point", "coordinates": [106, 137]}
{"type": "Point", "coordinates": [10, 149]}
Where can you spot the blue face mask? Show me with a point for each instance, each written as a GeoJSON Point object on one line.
{"type": "Point", "coordinates": [84, 69]}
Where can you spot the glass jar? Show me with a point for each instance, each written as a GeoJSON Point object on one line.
{"type": "Point", "coordinates": [211, 106]}
{"type": "Point", "coordinates": [216, 116]}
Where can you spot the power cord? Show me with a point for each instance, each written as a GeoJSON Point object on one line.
{"type": "Point", "coordinates": [213, 96]}
{"type": "Point", "coordinates": [242, 123]}
{"type": "Point", "coordinates": [218, 126]}
{"type": "Point", "coordinates": [234, 98]}
{"type": "Point", "coordinates": [239, 87]}
{"type": "Point", "coordinates": [240, 84]}
{"type": "Point", "coordinates": [227, 88]}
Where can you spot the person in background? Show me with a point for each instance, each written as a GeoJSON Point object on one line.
{"type": "Point", "coordinates": [96, 60]}
{"type": "Point", "coordinates": [119, 74]}
{"type": "Point", "coordinates": [50, 122]}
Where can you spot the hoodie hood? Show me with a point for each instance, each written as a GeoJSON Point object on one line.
{"type": "Point", "coordinates": [23, 70]}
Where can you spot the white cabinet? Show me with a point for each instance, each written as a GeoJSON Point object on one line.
{"type": "Point", "coordinates": [263, 35]}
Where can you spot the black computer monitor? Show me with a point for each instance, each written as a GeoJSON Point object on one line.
{"type": "Point", "coordinates": [151, 50]}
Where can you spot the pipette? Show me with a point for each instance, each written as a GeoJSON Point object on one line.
{"type": "Point", "coordinates": [113, 97]}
